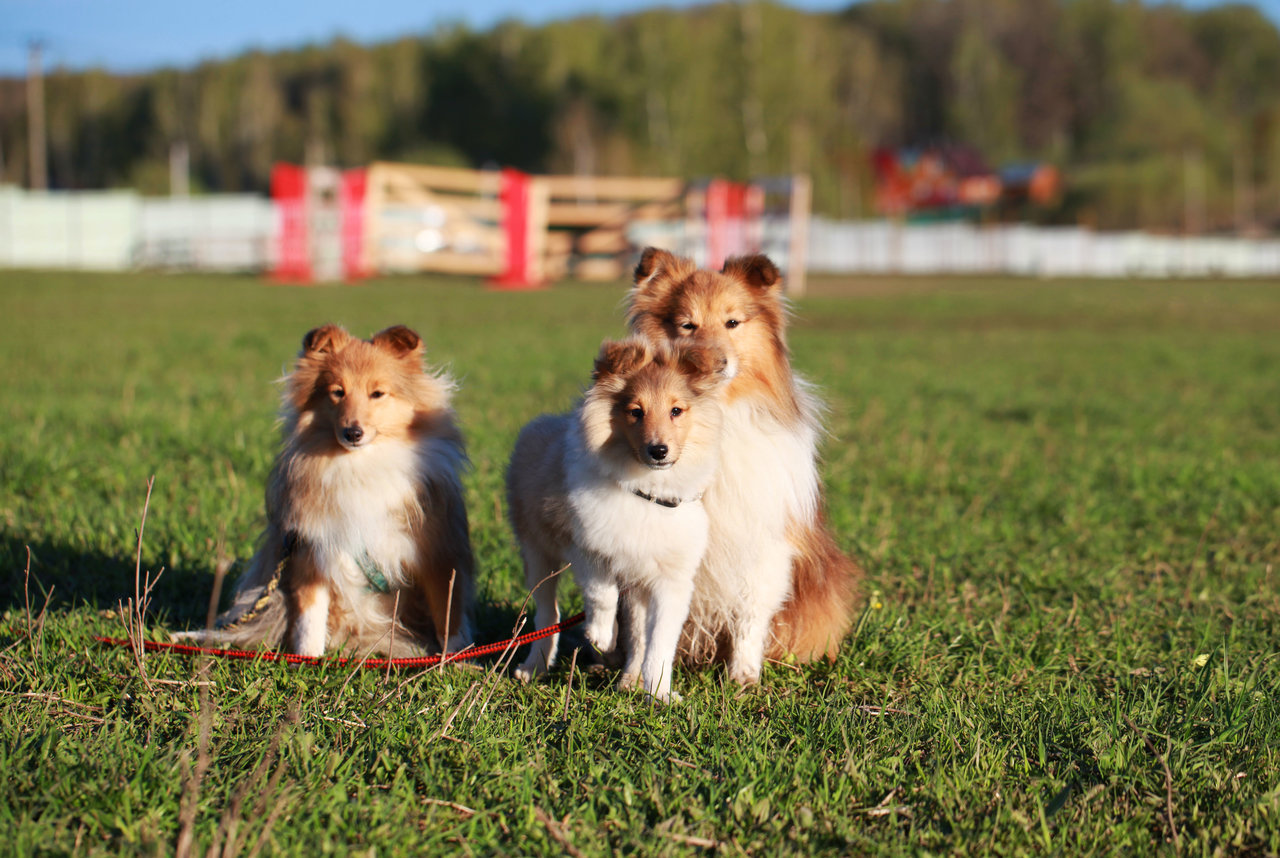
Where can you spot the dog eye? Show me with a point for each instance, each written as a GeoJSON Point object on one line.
{"type": "Point", "coordinates": [689, 326]}
{"type": "Point", "coordinates": [377, 394]}
{"type": "Point", "coordinates": [732, 323]}
{"type": "Point", "coordinates": [337, 392]}
{"type": "Point", "coordinates": [677, 411]}
{"type": "Point", "coordinates": [637, 413]}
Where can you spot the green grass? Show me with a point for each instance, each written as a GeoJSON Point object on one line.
{"type": "Point", "coordinates": [1066, 495]}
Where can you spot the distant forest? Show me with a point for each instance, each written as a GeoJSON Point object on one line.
{"type": "Point", "coordinates": [1158, 116]}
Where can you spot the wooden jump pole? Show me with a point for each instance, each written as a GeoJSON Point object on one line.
{"type": "Point", "coordinates": [798, 253]}
{"type": "Point", "coordinates": [524, 220]}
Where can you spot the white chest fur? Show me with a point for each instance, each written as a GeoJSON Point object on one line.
{"type": "Point", "coordinates": [766, 483]}
{"type": "Point", "coordinates": [640, 540]}
{"type": "Point", "coordinates": [767, 478]}
{"type": "Point", "coordinates": [357, 521]}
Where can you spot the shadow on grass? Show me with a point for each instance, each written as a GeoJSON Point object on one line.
{"type": "Point", "coordinates": [497, 621]}
{"type": "Point", "coordinates": [73, 577]}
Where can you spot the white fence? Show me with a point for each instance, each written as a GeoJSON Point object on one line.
{"type": "Point", "coordinates": [92, 229]}
{"type": "Point", "coordinates": [883, 247]}
{"type": "Point", "coordinates": [228, 232]}
{"type": "Point", "coordinates": [115, 230]}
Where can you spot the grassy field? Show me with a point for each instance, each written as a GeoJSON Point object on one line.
{"type": "Point", "coordinates": [1066, 495]}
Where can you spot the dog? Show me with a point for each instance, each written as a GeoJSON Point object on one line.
{"type": "Point", "coordinates": [614, 490]}
{"type": "Point", "coordinates": [367, 546]}
{"type": "Point", "coordinates": [773, 582]}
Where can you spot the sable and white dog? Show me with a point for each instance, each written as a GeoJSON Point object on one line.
{"type": "Point", "coordinates": [773, 580]}
{"type": "Point", "coordinates": [367, 544]}
{"type": "Point", "coordinates": [614, 490]}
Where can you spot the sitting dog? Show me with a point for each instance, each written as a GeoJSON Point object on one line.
{"type": "Point", "coordinates": [773, 583]}
{"type": "Point", "coordinates": [367, 545]}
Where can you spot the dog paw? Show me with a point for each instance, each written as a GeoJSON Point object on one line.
{"type": "Point", "coordinates": [667, 697]}
{"type": "Point", "coordinates": [602, 636]}
{"type": "Point", "coordinates": [628, 681]}
{"type": "Point", "coordinates": [527, 673]}
{"type": "Point", "coordinates": [745, 674]}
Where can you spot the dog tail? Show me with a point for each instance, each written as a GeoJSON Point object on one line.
{"type": "Point", "coordinates": [819, 612]}
{"type": "Point", "coordinates": [257, 614]}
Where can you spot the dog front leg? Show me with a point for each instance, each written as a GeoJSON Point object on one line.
{"type": "Point", "coordinates": [307, 598]}
{"type": "Point", "coordinates": [666, 615]}
{"type": "Point", "coordinates": [770, 586]}
{"type": "Point", "coordinates": [600, 601]}
{"type": "Point", "coordinates": [309, 631]}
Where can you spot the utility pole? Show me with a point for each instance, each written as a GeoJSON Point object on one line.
{"type": "Point", "coordinates": [39, 179]}
{"type": "Point", "coordinates": [1243, 188]}
{"type": "Point", "coordinates": [179, 169]}
{"type": "Point", "coordinates": [757, 140]}
{"type": "Point", "coordinates": [1193, 216]}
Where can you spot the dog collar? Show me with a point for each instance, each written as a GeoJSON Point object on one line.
{"type": "Point", "coordinates": [669, 503]}
{"type": "Point", "coordinates": [376, 578]}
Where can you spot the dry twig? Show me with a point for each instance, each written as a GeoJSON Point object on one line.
{"type": "Point", "coordinates": [499, 667]}
{"type": "Point", "coordinates": [568, 686]}
{"type": "Point", "coordinates": [229, 824]}
{"type": "Point", "coordinates": [461, 808]}
{"type": "Point", "coordinates": [885, 809]}
{"type": "Point", "coordinates": [448, 722]}
{"type": "Point", "coordinates": [882, 710]}
{"type": "Point", "coordinates": [133, 612]}
{"type": "Point", "coordinates": [556, 830]}
{"type": "Point", "coordinates": [35, 629]}
{"type": "Point", "coordinates": [193, 777]}
{"type": "Point", "coordinates": [391, 644]}
{"type": "Point", "coordinates": [704, 842]}
{"type": "Point", "coordinates": [1168, 781]}
{"type": "Point", "coordinates": [448, 616]}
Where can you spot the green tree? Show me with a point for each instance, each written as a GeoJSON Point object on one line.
{"type": "Point", "coordinates": [985, 95]}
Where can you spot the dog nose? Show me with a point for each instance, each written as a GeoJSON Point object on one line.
{"type": "Point", "coordinates": [352, 434]}
{"type": "Point", "coordinates": [658, 452]}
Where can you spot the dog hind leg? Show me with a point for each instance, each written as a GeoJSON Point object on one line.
{"type": "Point", "coordinates": [633, 613]}
{"type": "Point", "coordinates": [541, 577]}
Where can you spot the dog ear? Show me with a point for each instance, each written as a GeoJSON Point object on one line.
{"type": "Point", "coordinates": [757, 271]}
{"type": "Point", "coordinates": [657, 275]}
{"type": "Point", "coordinates": [652, 261]}
{"type": "Point", "coordinates": [658, 271]}
{"type": "Point", "coordinates": [399, 340]}
{"type": "Point", "coordinates": [702, 366]}
{"type": "Point", "coordinates": [326, 339]}
{"type": "Point", "coordinates": [618, 358]}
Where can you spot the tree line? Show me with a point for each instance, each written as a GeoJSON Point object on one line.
{"type": "Point", "coordinates": [1159, 116]}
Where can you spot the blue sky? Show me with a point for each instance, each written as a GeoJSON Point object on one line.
{"type": "Point", "coordinates": [131, 35]}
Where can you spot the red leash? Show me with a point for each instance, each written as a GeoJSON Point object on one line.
{"type": "Point", "coordinates": [341, 661]}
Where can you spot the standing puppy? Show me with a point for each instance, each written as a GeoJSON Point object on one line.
{"type": "Point", "coordinates": [614, 489]}
{"type": "Point", "coordinates": [367, 541]}
{"type": "Point", "coordinates": [773, 580]}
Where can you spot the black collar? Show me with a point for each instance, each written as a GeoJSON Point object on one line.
{"type": "Point", "coordinates": [669, 503]}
